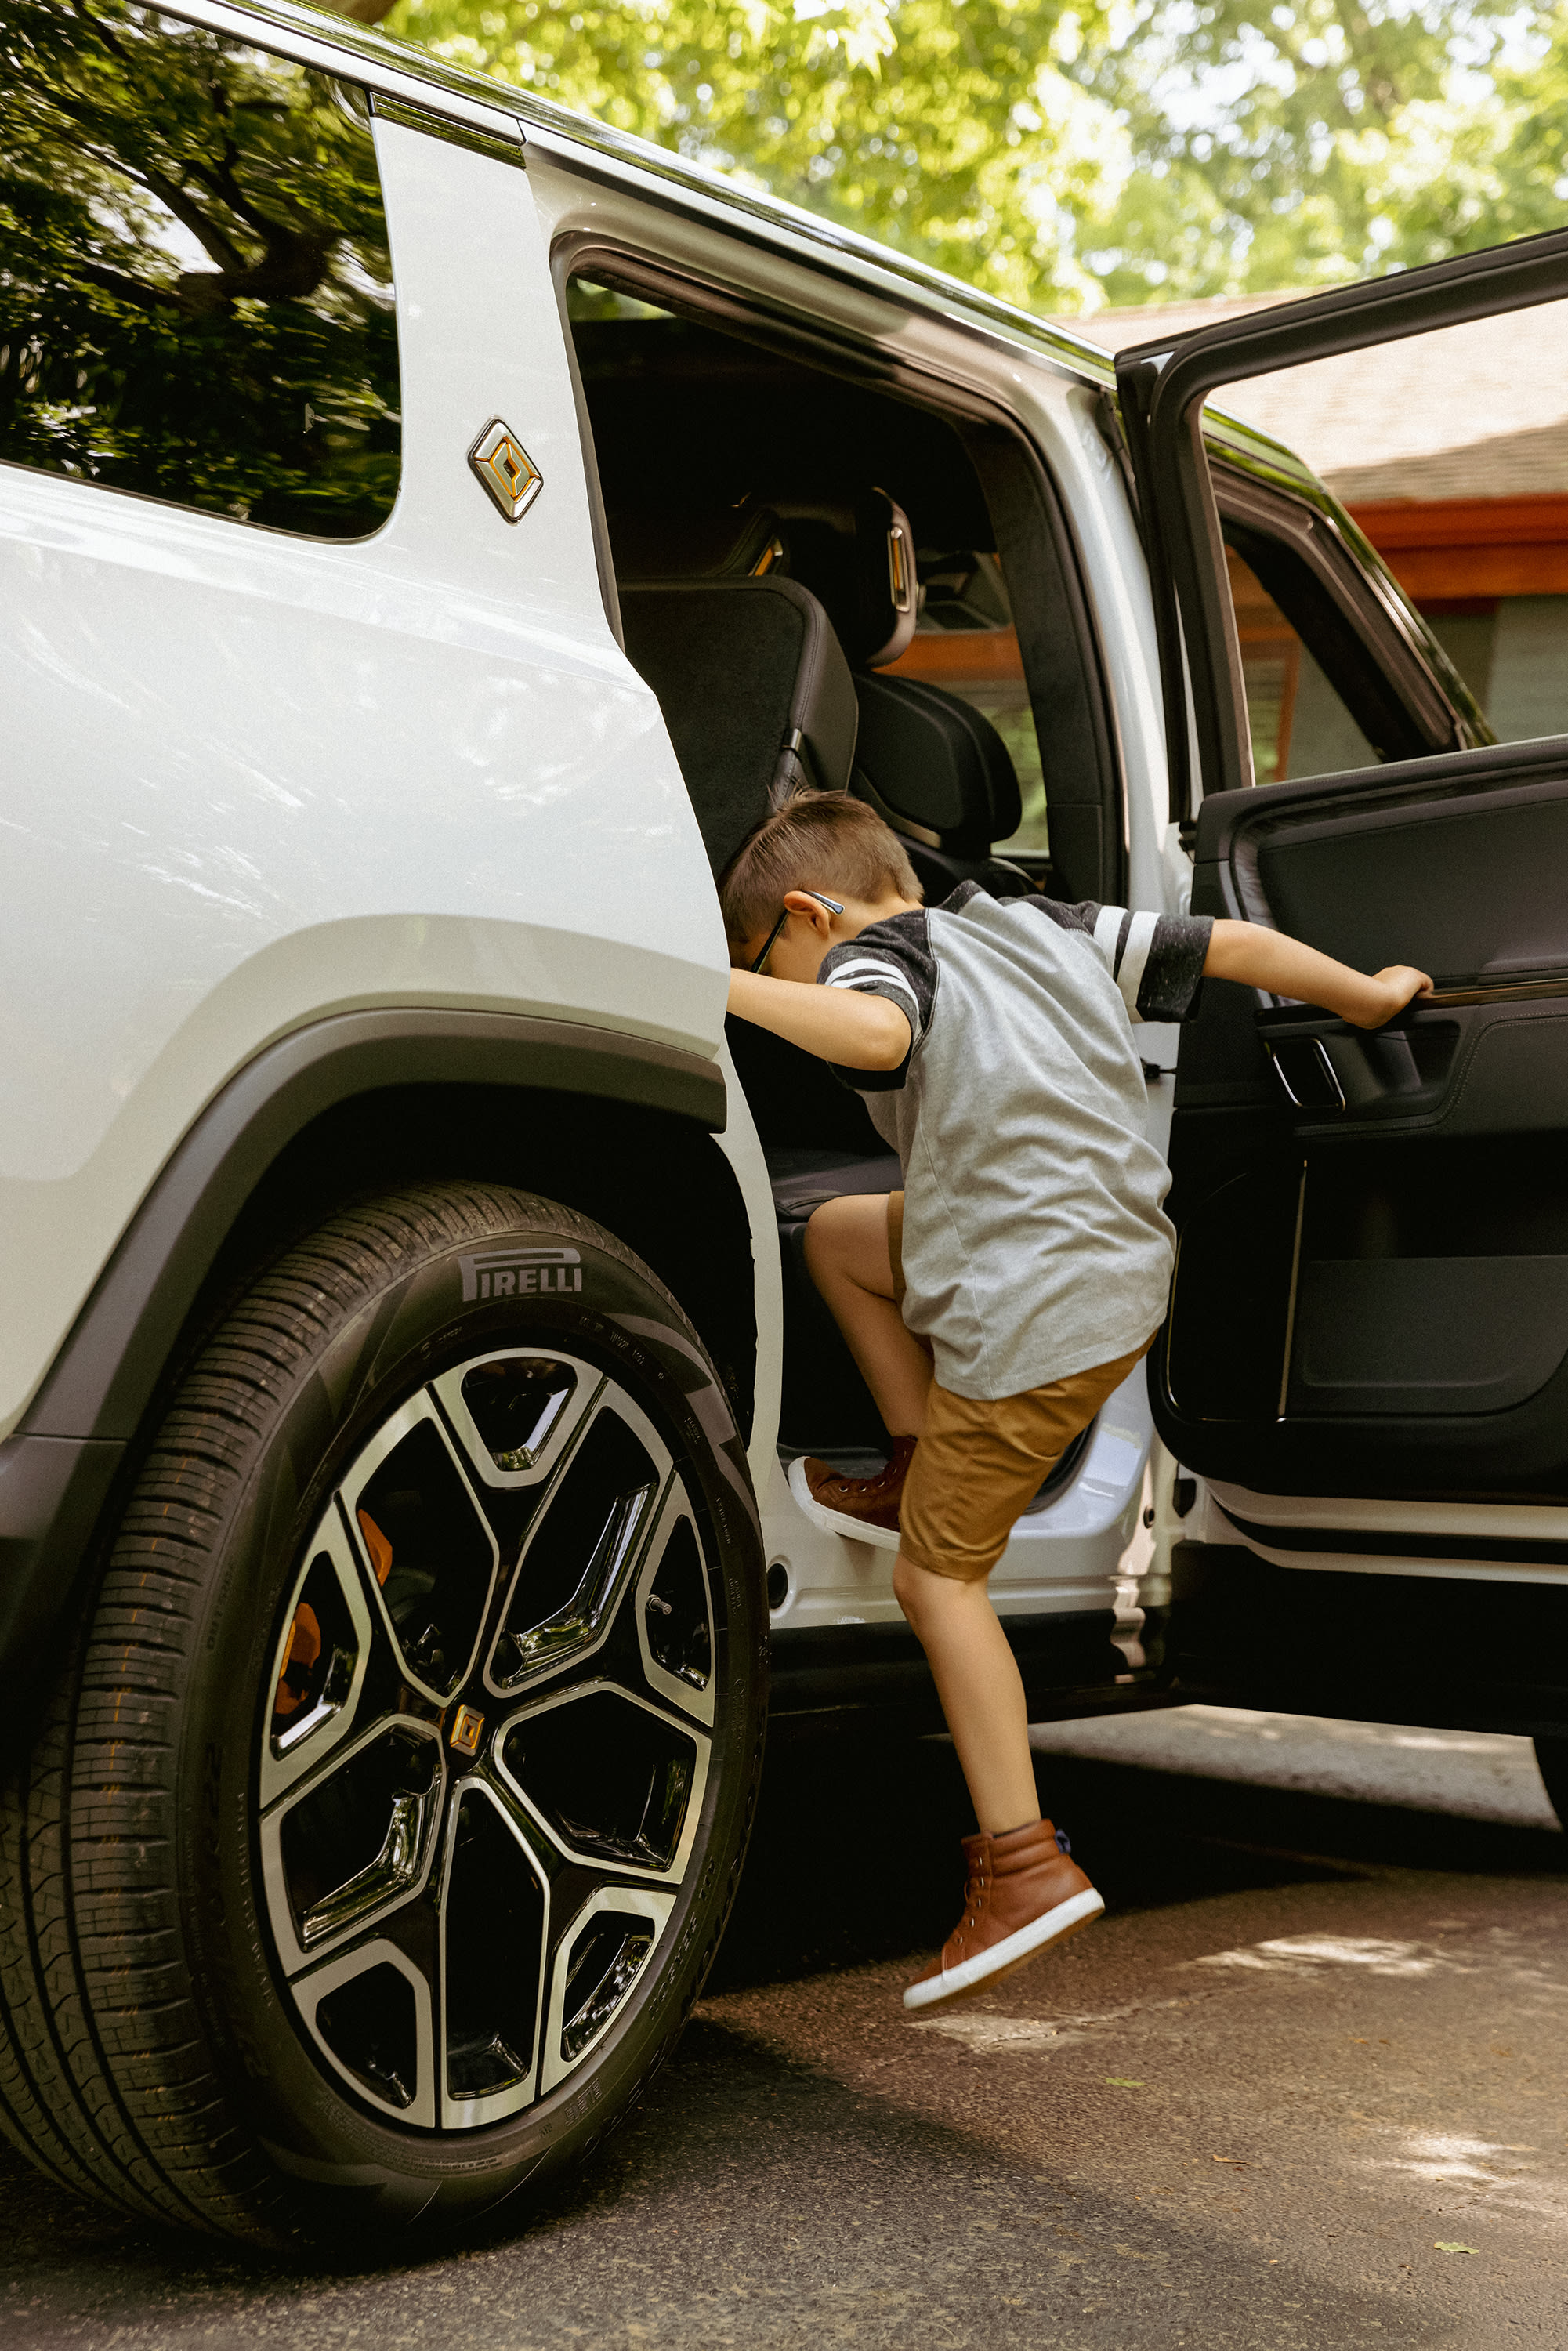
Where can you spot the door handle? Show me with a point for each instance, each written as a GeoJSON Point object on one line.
{"type": "Point", "coordinates": [1306, 1072]}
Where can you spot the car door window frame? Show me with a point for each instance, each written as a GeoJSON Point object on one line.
{"type": "Point", "coordinates": [1162, 387]}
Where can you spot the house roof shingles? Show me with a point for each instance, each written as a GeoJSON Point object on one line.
{"type": "Point", "coordinates": [1472, 412]}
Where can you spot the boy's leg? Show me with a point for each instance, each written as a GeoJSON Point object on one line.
{"type": "Point", "coordinates": [850, 1259]}
{"type": "Point", "coordinates": [979, 1464]}
{"type": "Point", "coordinates": [981, 1690]}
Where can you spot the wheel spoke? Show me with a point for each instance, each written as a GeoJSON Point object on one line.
{"type": "Point", "coordinates": [583, 1545]}
{"type": "Point", "coordinates": [674, 1611]}
{"type": "Point", "coordinates": [611, 1777]}
{"type": "Point", "coordinates": [515, 1414]}
{"type": "Point", "coordinates": [370, 2010]}
{"type": "Point", "coordinates": [495, 1906]}
{"type": "Point", "coordinates": [321, 1663]}
{"type": "Point", "coordinates": [356, 1841]}
{"type": "Point", "coordinates": [428, 1545]}
{"type": "Point", "coordinates": [600, 1954]}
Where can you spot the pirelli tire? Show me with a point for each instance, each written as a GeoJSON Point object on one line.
{"type": "Point", "coordinates": [388, 1812]}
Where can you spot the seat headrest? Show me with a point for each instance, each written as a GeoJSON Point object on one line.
{"type": "Point", "coordinates": [934, 766]}
{"type": "Point", "coordinates": [857, 555]}
{"type": "Point", "coordinates": [683, 542]}
{"type": "Point", "coordinates": [755, 691]}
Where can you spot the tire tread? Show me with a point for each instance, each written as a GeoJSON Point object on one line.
{"type": "Point", "coordinates": [107, 2081]}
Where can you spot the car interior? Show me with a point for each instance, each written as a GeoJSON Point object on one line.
{"type": "Point", "coordinates": [828, 581]}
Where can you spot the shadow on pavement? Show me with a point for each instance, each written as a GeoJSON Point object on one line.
{"type": "Point", "coordinates": [754, 2203]}
{"type": "Point", "coordinates": [854, 1857]}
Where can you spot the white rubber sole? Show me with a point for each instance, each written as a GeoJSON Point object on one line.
{"type": "Point", "coordinates": [987, 1967]}
{"type": "Point", "coordinates": [856, 1530]}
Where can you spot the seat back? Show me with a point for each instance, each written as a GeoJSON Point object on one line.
{"type": "Point", "coordinates": [940, 774]}
{"type": "Point", "coordinates": [856, 555]}
{"type": "Point", "coordinates": [755, 691]}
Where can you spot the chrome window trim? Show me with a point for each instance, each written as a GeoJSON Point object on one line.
{"type": "Point", "coordinates": [355, 52]}
{"type": "Point", "coordinates": [501, 147]}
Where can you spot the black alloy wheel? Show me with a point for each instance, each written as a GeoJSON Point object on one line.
{"type": "Point", "coordinates": [392, 1806]}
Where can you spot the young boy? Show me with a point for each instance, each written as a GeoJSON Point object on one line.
{"type": "Point", "coordinates": [997, 1301]}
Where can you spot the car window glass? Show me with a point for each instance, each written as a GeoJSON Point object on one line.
{"type": "Point", "coordinates": [195, 301]}
{"type": "Point", "coordinates": [1449, 451]}
{"type": "Point", "coordinates": [1299, 725]}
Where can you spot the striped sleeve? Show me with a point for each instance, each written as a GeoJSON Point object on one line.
{"type": "Point", "coordinates": [1156, 960]}
{"type": "Point", "coordinates": [893, 959]}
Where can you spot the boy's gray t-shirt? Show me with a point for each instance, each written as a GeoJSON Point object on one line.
{"type": "Point", "coordinates": [1035, 1245]}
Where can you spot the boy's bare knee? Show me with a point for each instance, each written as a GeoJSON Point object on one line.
{"type": "Point", "coordinates": [847, 1237]}
{"type": "Point", "coordinates": [917, 1592]}
{"type": "Point", "coordinates": [825, 1232]}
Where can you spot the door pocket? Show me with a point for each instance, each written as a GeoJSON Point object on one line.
{"type": "Point", "coordinates": [1426, 1335]}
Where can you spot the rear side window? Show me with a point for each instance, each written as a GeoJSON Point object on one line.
{"type": "Point", "coordinates": [195, 285]}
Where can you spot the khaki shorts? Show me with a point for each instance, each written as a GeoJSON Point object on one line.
{"type": "Point", "coordinates": [980, 1462]}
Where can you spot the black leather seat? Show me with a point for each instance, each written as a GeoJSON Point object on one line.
{"type": "Point", "coordinates": [754, 689]}
{"type": "Point", "coordinates": [937, 770]}
{"type": "Point", "coordinates": [757, 694]}
{"type": "Point", "coordinates": [931, 764]}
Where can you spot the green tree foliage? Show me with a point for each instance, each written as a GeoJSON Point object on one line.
{"type": "Point", "coordinates": [951, 130]}
{"type": "Point", "coordinates": [1071, 152]}
{"type": "Point", "coordinates": [193, 274]}
{"type": "Point", "coordinates": [1319, 139]}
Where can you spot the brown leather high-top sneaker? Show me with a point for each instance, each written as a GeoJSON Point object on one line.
{"type": "Point", "coordinates": [1023, 1894]}
{"type": "Point", "coordinates": [874, 1501]}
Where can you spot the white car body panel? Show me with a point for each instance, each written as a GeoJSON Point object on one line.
{"type": "Point", "coordinates": [256, 767]}
{"type": "Point", "coordinates": [299, 874]}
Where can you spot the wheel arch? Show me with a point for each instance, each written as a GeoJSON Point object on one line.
{"type": "Point", "coordinates": [618, 1126]}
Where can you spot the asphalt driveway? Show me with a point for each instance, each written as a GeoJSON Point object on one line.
{"type": "Point", "coordinates": [1306, 2085]}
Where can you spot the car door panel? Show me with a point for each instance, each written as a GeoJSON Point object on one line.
{"type": "Point", "coordinates": [1372, 1284]}
{"type": "Point", "coordinates": [1371, 1294]}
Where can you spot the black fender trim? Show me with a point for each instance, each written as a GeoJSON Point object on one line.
{"type": "Point", "coordinates": [52, 1493]}
{"type": "Point", "coordinates": [108, 1369]}
{"type": "Point", "coordinates": [58, 1472]}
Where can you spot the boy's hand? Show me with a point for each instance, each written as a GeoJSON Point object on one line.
{"type": "Point", "coordinates": [1396, 987]}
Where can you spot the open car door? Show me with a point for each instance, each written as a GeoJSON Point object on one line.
{"type": "Point", "coordinates": [1371, 1298]}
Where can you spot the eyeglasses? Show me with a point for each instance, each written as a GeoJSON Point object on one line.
{"type": "Point", "coordinates": [831, 904]}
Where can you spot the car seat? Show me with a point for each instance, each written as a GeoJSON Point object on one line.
{"type": "Point", "coordinates": [754, 690]}
{"type": "Point", "coordinates": [931, 766]}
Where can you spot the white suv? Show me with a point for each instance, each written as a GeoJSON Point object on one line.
{"type": "Point", "coordinates": [430, 526]}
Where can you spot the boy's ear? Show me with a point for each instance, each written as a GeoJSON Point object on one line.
{"type": "Point", "coordinates": [800, 902]}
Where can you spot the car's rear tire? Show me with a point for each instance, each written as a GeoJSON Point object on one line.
{"type": "Point", "coordinates": [390, 1806]}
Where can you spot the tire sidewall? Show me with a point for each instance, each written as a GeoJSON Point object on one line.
{"type": "Point", "coordinates": [379, 1353]}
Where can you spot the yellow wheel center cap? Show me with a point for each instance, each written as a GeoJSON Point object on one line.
{"type": "Point", "coordinates": [466, 1725]}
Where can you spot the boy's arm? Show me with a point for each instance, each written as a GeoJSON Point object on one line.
{"type": "Point", "coordinates": [838, 1024]}
{"type": "Point", "coordinates": [1282, 967]}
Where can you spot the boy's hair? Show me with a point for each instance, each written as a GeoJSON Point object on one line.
{"type": "Point", "coordinates": [815, 841]}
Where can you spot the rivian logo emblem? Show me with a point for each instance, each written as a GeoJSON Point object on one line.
{"type": "Point", "coordinates": [506, 468]}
